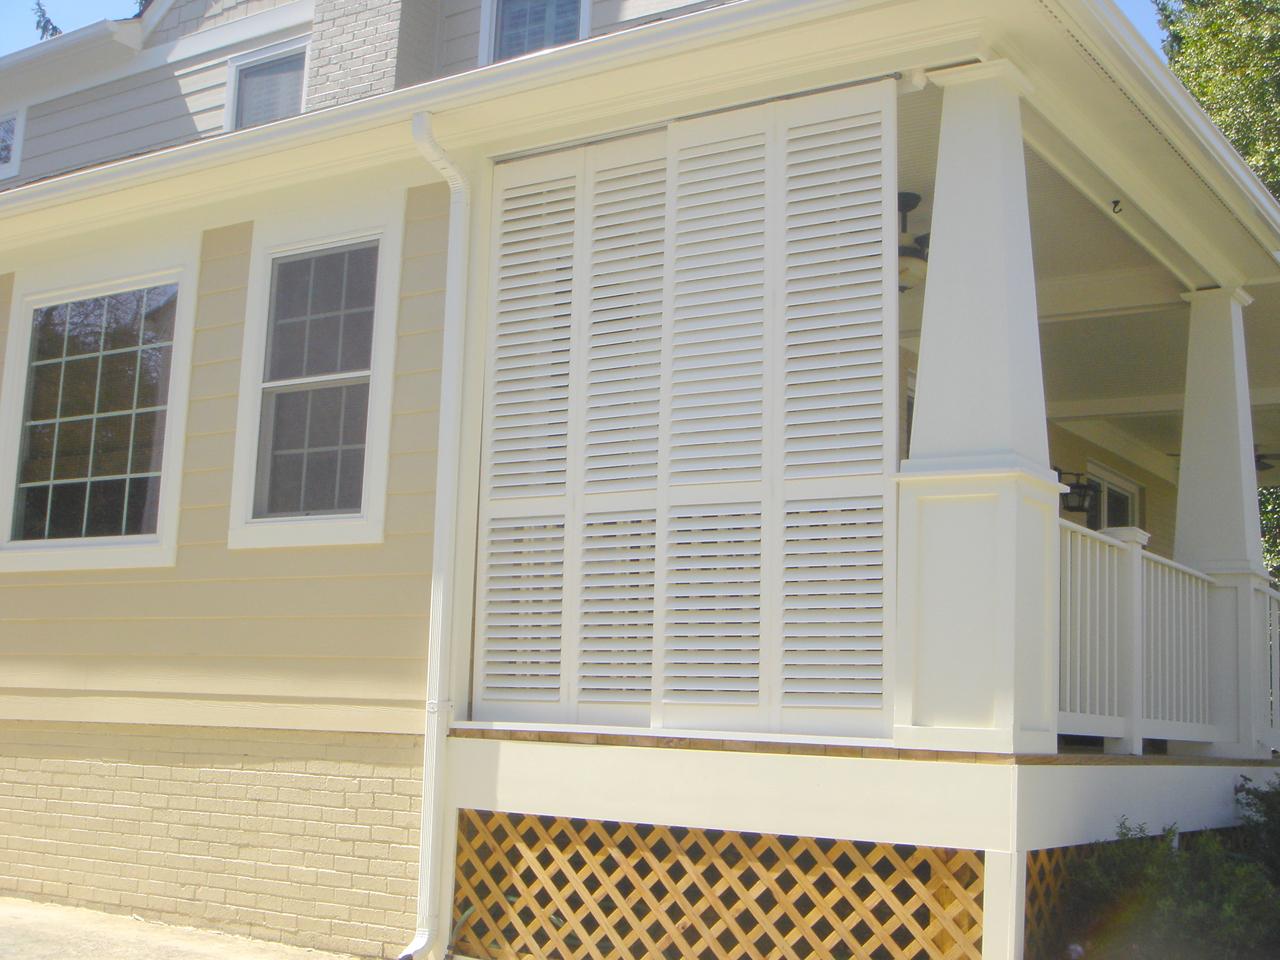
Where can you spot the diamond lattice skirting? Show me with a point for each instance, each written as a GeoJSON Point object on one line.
{"type": "Point", "coordinates": [550, 888]}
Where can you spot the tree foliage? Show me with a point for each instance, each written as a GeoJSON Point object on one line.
{"type": "Point", "coordinates": [47, 28]}
{"type": "Point", "coordinates": [1226, 52]}
{"type": "Point", "coordinates": [44, 26]}
{"type": "Point", "coordinates": [1269, 504]}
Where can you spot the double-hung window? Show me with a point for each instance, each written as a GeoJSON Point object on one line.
{"type": "Point", "coordinates": [315, 392]}
{"type": "Point", "coordinates": [266, 85]}
{"type": "Point", "coordinates": [93, 423]}
{"type": "Point", "coordinates": [523, 26]}
{"type": "Point", "coordinates": [1115, 499]}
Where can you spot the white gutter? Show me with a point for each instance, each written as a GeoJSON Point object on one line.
{"type": "Point", "coordinates": [439, 631]}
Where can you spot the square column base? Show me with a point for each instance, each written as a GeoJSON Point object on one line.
{"type": "Point", "coordinates": [978, 611]}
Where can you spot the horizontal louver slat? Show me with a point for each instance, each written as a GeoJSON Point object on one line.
{"type": "Point", "coordinates": [833, 616]}
{"type": "Point", "coordinates": [624, 350]}
{"type": "Point", "coordinates": [522, 610]}
{"type": "Point", "coordinates": [719, 301]}
{"type": "Point", "coordinates": [833, 285]}
{"type": "Point", "coordinates": [615, 655]}
{"type": "Point", "coordinates": [713, 605]}
{"type": "Point", "coordinates": [530, 392]}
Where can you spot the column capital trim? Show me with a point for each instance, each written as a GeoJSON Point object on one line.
{"type": "Point", "coordinates": [1002, 71]}
{"type": "Point", "coordinates": [1236, 294]}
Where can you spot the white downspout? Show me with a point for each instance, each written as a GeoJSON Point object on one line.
{"type": "Point", "coordinates": [439, 632]}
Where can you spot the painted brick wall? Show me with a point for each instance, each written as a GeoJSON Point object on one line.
{"type": "Point", "coordinates": [301, 837]}
{"type": "Point", "coordinates": [353, 50]}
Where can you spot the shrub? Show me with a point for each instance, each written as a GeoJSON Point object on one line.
{"type": "Point", "coordinates": [1146, 897]}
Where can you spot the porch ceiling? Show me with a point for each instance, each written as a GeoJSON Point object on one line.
{"type": "Point", "coordinates": [1113, 325]}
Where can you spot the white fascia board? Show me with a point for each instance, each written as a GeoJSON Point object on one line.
{"type": "Point", "coordinates": [98, 46]}
{"type": "Point", "coordinates": [1132, 61]}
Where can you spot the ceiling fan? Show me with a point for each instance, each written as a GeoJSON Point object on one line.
{"type": "Point", "coordinates": [1261, 461]}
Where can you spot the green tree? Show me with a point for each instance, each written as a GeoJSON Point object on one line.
{"type": "Point", "coordinates": [47, 28]}
{"type": "Point", "coordinates": [1227, 52]}
{"type": "Point", "coordinates": [1269, 504]}
{"type": "Point", "coordinates": [44, 26]}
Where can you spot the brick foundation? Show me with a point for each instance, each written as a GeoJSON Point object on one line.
{"type": "Point", "coordinates": [299, 837]}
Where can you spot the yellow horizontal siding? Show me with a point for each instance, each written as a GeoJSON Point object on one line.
{"type": "Point", "coordinates": [312, 626]}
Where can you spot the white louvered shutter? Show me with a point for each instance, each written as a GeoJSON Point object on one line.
{"type": "Point", "coordinates": [520, 668]}
{"type": "Point", "coordinates": [687, 446]}
{"type": "Point", "coordinates": [839, 310]}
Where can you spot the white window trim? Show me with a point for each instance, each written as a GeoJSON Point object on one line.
{"type": "Point", "coordinates": [19, 116]}
{"type": "Point", "coordinates": [93, 553]}
{"type": "Point", "coordinates": [274, 51]}
{"type": "Point", "coordinates": [1108, 477]}
{"type": "Point", "coordinates": [246, 531]}
{"type": "Point", "coordinates": [489, 28]}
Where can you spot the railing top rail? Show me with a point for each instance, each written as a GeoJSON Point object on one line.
{"type": "Point", "coordinates": [1172, 565]}
{"type": "Point", "coordinates": [1089, 534]}
{"type": "Point", "coordinates": [1271, 592]}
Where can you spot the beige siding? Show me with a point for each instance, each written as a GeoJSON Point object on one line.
{"type": "Point", "coordinates": [304, 838]}
{"type": "Point", "coordinates": [329, 637]}
{"type": "Point", "coordinates": [146, 111]}
{"type": "Point", "coordinates": [459, 36]}
{"type": "Point", "coordinates": [1159, 507]}
{"type": "Point", "coordinates": [188, 16]}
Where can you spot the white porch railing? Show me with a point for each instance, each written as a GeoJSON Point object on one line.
{"type": "Point", "coordinates": [1134, 640]}
{"type": "Point", "coordinates": [1089, 682]}
{"type": "Point", "coordinates": [1175, 653]}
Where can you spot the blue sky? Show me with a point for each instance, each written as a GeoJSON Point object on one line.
{"type": "Point", "coordinates": [17, 30]}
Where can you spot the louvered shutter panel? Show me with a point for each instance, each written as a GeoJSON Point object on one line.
{"type": "Point", "coordinates": [687, 446]}
{"type": "Point", "coordinates": [521, 613]}
{"type": "Point", "coordinates": [717, 378]}
{"type": "Point", "coordinates": [839, 437]}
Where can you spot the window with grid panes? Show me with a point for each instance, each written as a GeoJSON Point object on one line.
{"type": "Point", "coordinates": [315, 397]}
{"type": "Point", "coordinates": [93, 424]}
{"type": "Point", "coordinates": [523, 26]}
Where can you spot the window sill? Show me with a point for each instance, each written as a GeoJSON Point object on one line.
{"type": "Point", "coordinates": [322, 531]}
{"type": "Point", "coordinates": [112, 553]}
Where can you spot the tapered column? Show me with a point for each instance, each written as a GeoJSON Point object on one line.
{"type": "Point", "coordinates": [978, 534]}
{"type": "Point", "coordinates": [979, 387]}
{"type": "Point", "coordinates": [1218, 528]}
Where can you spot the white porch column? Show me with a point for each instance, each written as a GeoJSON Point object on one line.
{"type": "Point", "coordinates": [1218, 529]}
{"type": "Point", "coordinates": [978, 514]}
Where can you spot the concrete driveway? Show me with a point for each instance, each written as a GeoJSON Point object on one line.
{"type": "Point", "coordinates": [46, 931]}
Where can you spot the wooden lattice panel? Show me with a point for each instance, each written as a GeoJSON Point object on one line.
{"type": "Point", "coordinates": [1048, 872]}
{"type": "Point", "coordinates": [549, 888]}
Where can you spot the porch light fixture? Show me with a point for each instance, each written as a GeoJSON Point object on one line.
{"type": "Point", "coordinates": [1080, 492]}
{"type": "Point", "coordinates": [913, 252]}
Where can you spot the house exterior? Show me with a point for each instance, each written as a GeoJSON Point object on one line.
{"type": "Point", "coordinates": [478, 488]}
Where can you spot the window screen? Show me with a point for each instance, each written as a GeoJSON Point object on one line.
{"type": "Point", "coordinates": [269, 91]}
{"type": "Point", "coordinates": [8, 136]}
{"type": "Point", "coordinates": [316, 389]}
{"type": "Point", "coordinates": [527, 25]}
{"type": "Point", "coordinates": [93, 426]}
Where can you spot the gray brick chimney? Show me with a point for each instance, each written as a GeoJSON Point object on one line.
{"type": "Point", "coordinates": [360, 48]}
